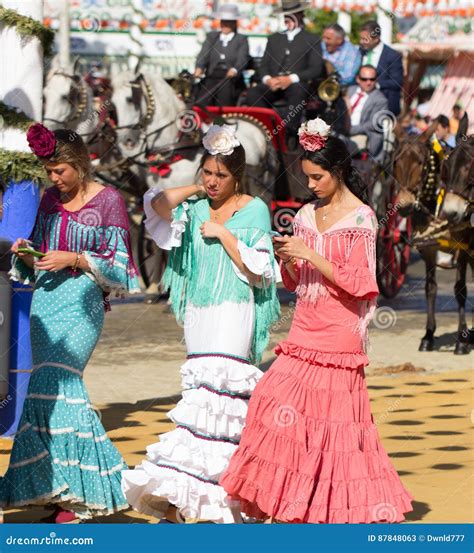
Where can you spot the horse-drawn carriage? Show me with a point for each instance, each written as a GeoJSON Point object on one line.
{"type": "Point", "coordinates": [157, 141]}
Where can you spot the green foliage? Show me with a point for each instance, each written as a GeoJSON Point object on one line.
{"type": "Point", "coordinates": [320, 19]}
{"type": "Point", "coordinates": [28, 27]}
{"type": "Point", "coordinates": [10, 117]}
{"type": "Point", "coordinates": [19, 166]}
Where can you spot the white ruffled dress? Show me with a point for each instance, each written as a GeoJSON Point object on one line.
{"type": "Point", "coordinates": [184, 467]}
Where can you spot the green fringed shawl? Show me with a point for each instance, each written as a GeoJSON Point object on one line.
{"type": "Point", "coordinates": [201, 272]}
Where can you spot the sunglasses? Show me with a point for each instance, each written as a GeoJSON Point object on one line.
{"type": "Point", "coordinates": [368, 78]}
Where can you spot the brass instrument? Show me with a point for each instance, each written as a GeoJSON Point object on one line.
{"type": "Point", "coordinates": [330, 89]}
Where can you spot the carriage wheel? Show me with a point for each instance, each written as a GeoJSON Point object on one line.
{"type": "Point", "coordinates": [393, 252]}
{"type": "Point", "coordinates": [151, 260]}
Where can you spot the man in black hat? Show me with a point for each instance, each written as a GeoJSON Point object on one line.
{"type": "Point", "coordinates": [291, 60]}
{"type": "Point", "coordinates": [223, 57]}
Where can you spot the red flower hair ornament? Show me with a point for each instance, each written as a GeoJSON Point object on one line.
{"type": "Point", "coordinates": [41, 140]}
{"type": "Point", "coordinates": [313, 134]}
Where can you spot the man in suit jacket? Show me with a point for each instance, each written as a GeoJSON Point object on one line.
{"type": "Point", "coordinates": [291, 60]}
{"type": "Point", "coordinates": [223, 57]}
{"type": "Point", "coordinates": [368, 107]}
{"type": "Point", "coordinates": [387, 61]}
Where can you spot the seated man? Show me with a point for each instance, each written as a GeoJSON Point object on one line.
{"type": "Point", "coordinates": [291, 60]}
{"type": "Point", "coordinates": [223, 57]}
{"type": "Point", "coordinates": [368, 108]}
{"type": "Point", "coordinates": [344, 56]}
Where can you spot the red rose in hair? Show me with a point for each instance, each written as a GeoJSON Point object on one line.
{"type": "Point", "coordinates": [41, 140]}
{"type": "Point", "coordinates": [312, 142]}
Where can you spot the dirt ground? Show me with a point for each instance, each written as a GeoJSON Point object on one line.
{"type": "Point", "coordinates": [422, 402]}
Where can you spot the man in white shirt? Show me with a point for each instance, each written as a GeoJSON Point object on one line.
{"type": "Point", "coordinates": [367, 107]}
{"type": "Point", "coordinates": [386, 60]}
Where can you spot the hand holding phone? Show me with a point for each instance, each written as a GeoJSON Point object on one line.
{"type": "Point", "coordinates": [30, 251]}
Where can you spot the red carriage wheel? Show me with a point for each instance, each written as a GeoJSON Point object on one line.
{"type": "Point", "coordinates": [393, 252]}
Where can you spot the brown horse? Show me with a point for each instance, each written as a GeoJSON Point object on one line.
{"type": "Point", "coordinates": [417, 170]}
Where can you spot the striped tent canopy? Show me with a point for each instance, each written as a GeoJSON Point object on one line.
{"type": "Point", "coordinates": [401, 8]}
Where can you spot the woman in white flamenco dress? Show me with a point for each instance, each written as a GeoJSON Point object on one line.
{"type": "Point", "coordinates": [222, 279]}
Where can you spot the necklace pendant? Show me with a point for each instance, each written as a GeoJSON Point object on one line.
{"type": "Point", "coordinates": [324, 217]}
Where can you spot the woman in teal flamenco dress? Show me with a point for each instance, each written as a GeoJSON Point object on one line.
{"type": "Point", "coordinates": [61, 455]}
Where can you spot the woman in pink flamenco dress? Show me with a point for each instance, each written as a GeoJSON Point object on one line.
{"type": "Point", "coordinates": [310, 451]}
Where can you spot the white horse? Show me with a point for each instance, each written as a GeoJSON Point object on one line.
{"type": "Point", "coordinates": [68, 101]}
{"type": "Point", "coordinates": [151, 116]}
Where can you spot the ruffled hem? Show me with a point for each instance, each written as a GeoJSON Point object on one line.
{"type": "Point", "coordinates": [200, 419]}
{"type": "Point", "coordinates": [148, 486]}
{"type": "Point", "coordinates": [206, 455]}
{"type": "Point", "coordinates": [61, 452]}
{"type": "Point", "coordinates": [385, 506]}
{"type": "Point", "coordinates": [346, 360]}
{"type": "Point", "coordinates": [224, 374]}
{"type": "Point", "coordinates": [68, 502]}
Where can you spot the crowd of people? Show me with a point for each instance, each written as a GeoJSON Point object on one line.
{"type": "Point", "coordinates": [294, 62]}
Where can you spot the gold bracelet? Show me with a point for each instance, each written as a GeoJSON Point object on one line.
{"type": "Point", "coordinates": [290, 260]}
{"type": "Point", "coordinates": [76, 264]}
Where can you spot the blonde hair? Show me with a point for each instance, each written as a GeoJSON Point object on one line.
{"type": "Point", "coordinates": [70, 148]}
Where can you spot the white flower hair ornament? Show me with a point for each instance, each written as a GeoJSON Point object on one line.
{"type": "Point", "coordinates": [220, 140]}
{"type": "Point", "coordinates": [313, 134]}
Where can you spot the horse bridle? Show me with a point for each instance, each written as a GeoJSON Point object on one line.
{"type": "Point", "coordinates": [80, 107]}
{"type": "Point", "coordinates": [141, 84]}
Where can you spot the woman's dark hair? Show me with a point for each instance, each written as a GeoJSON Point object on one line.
{"type": "Point", "coordinates": [335, 158]}
{"type": "Point", "coordinates": [234, 163]}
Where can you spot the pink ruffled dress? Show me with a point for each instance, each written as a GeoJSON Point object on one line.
{"type": "Point", "coordinates": [310, 450]}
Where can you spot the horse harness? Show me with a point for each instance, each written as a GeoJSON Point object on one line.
{"type": "Point", "coordinates": [79, 107]}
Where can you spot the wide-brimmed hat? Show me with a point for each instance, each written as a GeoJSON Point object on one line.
{"type": "Point", "coordinates": [291, 6]}
{"type": "Point", "coordinates": [227, 12]}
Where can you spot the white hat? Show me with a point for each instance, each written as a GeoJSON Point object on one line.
{"type": "Point", "coordinates": [227, 12]}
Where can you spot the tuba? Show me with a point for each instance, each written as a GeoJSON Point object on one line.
{"type": "Point", "coordinates": [330, 89]}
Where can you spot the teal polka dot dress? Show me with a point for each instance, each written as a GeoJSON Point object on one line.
{"type": "Point", "coordinates": [61, 454]}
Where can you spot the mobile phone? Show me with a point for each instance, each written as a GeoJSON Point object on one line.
{"type": "Point", "coordinates": [274, 233]}
{"type": "Point", "coordinates": [31, 251]}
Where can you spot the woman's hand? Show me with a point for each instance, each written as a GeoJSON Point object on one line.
{"type": "Point", "coordinates": [211, 230]}
{"type": "Point", "coordinates": [56, 261]}
{"type": "Point", "coordinates": [21, 243]}
{"type": "Point", "coordinates": [291, 246]}
{"type": "Point", "coordinates": [27, 258]}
